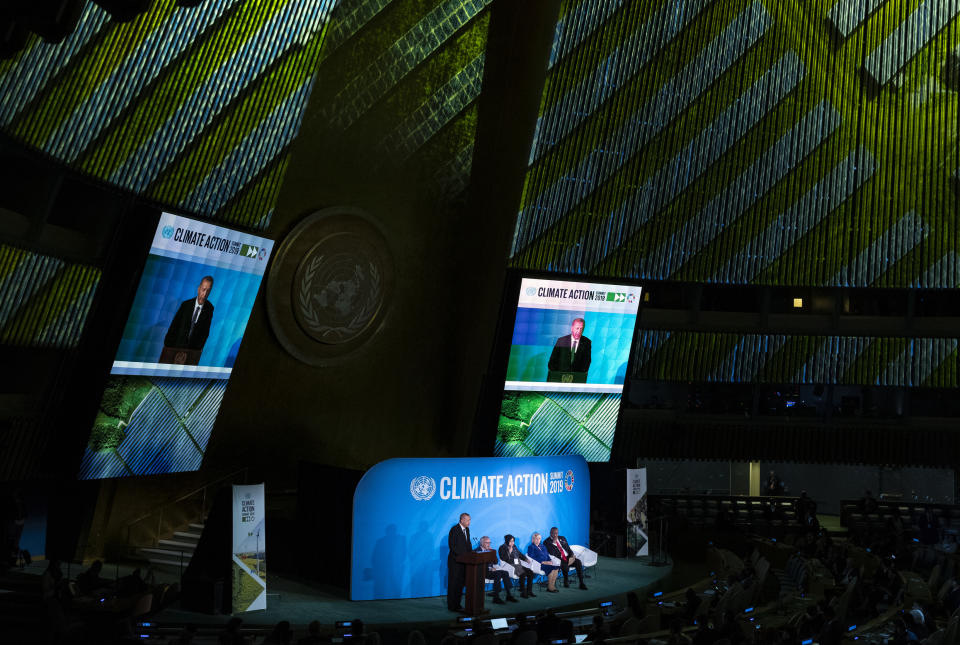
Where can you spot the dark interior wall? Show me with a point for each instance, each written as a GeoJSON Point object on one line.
{"type": "Point", "coordinates": [323, 524]}
{"type": "Point", "coordinates": [413, 389]}
{"type": "Point", "coordinates": [666, 477]}
{"type": "Point", "coordinates": [827, 484]}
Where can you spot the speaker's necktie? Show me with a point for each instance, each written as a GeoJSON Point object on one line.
{"type": "Point", "coordinates": [193, 321]}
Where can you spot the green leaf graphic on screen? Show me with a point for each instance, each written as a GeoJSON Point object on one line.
{"type": "Point", "coordinates": [120, 399]}
{"type": "Point", "coordinates": [516, 411]}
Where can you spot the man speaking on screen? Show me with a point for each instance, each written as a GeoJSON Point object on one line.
{"type": "Point", "coordinates": [189, 328]}
{"type": "Point", "coordinates": [570, 358]}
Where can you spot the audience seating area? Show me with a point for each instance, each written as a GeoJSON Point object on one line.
{"type": "Point", "coordinates": [874, 515]}
{"type": "Point", "coordinates": [891, 586]}
{"type": "Point", "coordinates": [713, 511]}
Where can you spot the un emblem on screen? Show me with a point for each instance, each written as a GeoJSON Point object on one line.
{"type": "Point", "coordinates": [422, 488]}
{"type": "Point", "coordinates": [330, 285]}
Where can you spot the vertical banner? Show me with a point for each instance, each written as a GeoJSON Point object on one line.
{"type": "Point", "coordinates": [249, 548]}
{"type": "Point", "coordinates": [637, 510]}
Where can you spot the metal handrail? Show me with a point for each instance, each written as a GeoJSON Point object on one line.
{"type": "Point", "coordinates": [134, 550]}
{"type": "Point", "coordinates": [130, 554]}
{"type": "Point", "coordinates": [203, 504]}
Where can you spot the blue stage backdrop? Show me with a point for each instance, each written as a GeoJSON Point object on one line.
{"type": "Point", "coordinates": [404, 508]}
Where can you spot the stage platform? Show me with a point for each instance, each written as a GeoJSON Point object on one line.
{"type": "Point", "coordinates": [303, 602]}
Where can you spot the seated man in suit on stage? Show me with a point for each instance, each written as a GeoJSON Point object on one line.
{"type": "Point", "coordinates": [510, 554]}
{"type": "Point", "coordinates": [498, 576]}
{"type": "Point", "coordinates": [558, 546]}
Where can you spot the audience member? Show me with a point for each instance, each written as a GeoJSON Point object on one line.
{"type": "Point", "coordinates": [416, 637]}
{"type": "Point", "coordinates": [526, 631]}
{"type": "Point", "coordinates": [90, 581]}
{"type": "Point", "coordinates": [548, 627]}
{"type": "Point", "coordinates": [357, 629]}
{"type": "Point", "coordinates": [134, 583]}
{"type": "Point", "coordinates": [634, 622]}
{"type": "Point", "coordinates": [803, 504]}
{"type": "Point", "coordinates": [599, 630]}
{"type": "Point", "coordinates": [50, 580]}
{"type": "Point", "coordinates": [929, 527]}
{"type": "Point", "coordinates": [810, 522]}
{"type": "Point", "coordinates": [617, 620]}
{"type": "Point", "coordinates": [773, 485]}
{"type": "Point", "coordinates": [231, 633]}
{"type": "Point", "coordinates": [280, 635]}
{"type": "Point", "coordinates": [313, 634]}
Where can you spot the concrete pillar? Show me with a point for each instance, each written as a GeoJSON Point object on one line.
{"type": "Point", "coordinates": [755, 478]}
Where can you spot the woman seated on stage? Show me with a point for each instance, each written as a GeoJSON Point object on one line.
{"type": "Point", "coordinates": [510, 554]}
{"type": "Point", "coordinates": [539, 553]}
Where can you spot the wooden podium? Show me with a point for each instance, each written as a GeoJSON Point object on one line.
{"type": "Point", "coordinates": [180, 355]}
{"type": "Point", "coordinates": [476, 563]}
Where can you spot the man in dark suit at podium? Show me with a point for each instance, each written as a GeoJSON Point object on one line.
{"type": "Point", "coordinates": [191, 324]}
{"type": "Point", "coordinates": [459, 542]}
{"type": "Point", "coordinates": [570, 358]}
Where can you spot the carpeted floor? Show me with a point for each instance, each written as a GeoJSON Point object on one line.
{"type": "Point", "coordinates": [302, 602]}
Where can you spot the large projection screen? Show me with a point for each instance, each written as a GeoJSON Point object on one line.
{"type": "Point", "coordinates": [178, 347]}
{"type": "Point", "coordinates": [566, 368]}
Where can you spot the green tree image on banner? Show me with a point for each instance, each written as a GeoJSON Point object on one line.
{"type": "Point", "coordinates": [249, 577]}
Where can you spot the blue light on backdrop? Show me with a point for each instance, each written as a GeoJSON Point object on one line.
{"type": "Point", "coordinates": [403, 509]}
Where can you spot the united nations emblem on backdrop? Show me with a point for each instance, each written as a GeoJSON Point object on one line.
{"type": "Point", "coordinates": [422, 488]}
{"type": "Point", "coordinates": [330, 285]}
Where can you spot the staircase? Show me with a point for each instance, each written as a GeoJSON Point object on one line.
{"type": "Point", "coordinates": [175, 551]}
{"type": "Point", "coordinates": [167, 536]}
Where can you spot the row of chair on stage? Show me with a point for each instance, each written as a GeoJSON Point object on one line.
{"type": "Point", "coordinates": [543, 561]}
